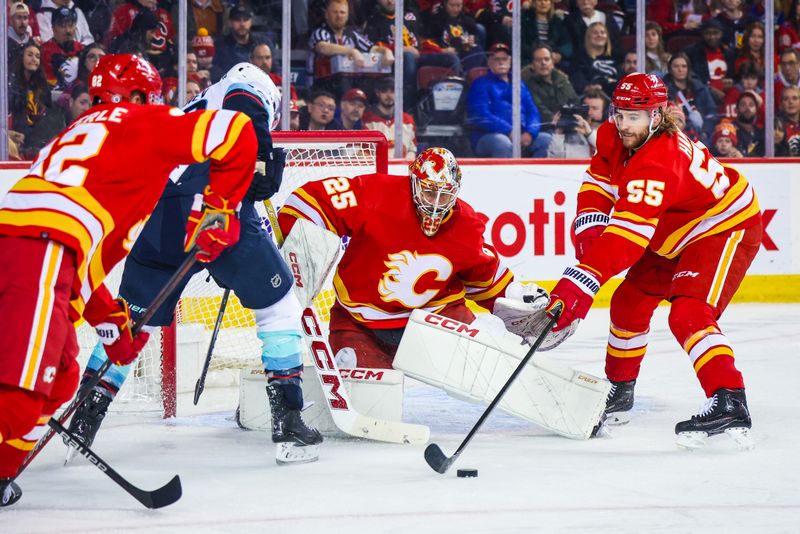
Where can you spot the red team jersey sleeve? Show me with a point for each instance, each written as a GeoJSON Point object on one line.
{"type": "Point", "coordinates": [94, 186]}
{"type": "Point", "coordinates": [668, 195]}
{"type": "Point", "coordinates": [332, 203]}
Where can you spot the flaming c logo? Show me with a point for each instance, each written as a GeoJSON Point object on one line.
{"type": "Point", "coordinates": [406, 268]}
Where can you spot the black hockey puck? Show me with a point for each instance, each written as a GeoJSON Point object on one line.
{"type": "Point", "coordinates": [467, 473]}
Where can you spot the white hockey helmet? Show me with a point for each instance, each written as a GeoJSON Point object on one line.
{"type": "Point", "coordinates": [260, 80]}
{"type": "Point", "coordinates": [435, 183]}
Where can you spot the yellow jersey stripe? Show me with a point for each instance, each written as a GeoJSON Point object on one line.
{"type": "Point", "coordinates": [723, 266]}
{"type": "Point", "coordinates": [627, 234]}
{"type": "Point", "coordinates": [716, 351]}
{"type": "Point", "coordinates": [199, 135]}
{"type": "Point", "coordinates": [233, 134]}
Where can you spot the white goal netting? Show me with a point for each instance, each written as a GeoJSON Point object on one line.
{"type": "Point", "coordinates": [155, 381]}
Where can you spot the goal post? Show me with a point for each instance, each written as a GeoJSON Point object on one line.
{"type": "Point", "coordinates": [169, 365]}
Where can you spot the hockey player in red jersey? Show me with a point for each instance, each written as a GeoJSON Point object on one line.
{"type": "Point", "coordinates": [412, 245]}
{"type": "Point", "coordinates": [76, 214]}
{"type": "Point", "coordinates": [687, 227]}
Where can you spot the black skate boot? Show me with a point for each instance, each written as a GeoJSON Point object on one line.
{"type": "Point", "coordinates": [10, 492]}
{"type": "Point", "coordinates": [87, 419]}
{"type": "Point", "coordinates": [619, 402]}
{"type": "Point", "coordinates": [725, 411]}
{"type": "Point", "coordinates": [297, 442]}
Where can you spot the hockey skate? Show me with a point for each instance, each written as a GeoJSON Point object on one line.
{"type": "Point", "coordinates": [87, 419]}
{"type": "Point", "coordinates": [619, 402]}
{"type": "Point", "coordinates": [724, 412]}
{"type": "Point", "coordinates": [10, 492]}
{"type": "Point", "coordinates": [296, 442]}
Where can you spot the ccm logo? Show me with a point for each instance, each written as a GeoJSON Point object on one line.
{"type": "Point", "coordinates": [361, 374]}
{"type": "Point", "coordinates": [295, 265]}
{"type": "Point", "coordinates": [450, 324]}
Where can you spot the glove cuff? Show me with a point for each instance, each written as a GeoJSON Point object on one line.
{"type": "Point", "coordinates": [216, 202]}
{"type": "Point", "coordinates": [589, 219]}
{"type": "Point", "coordinates": [582, 278]}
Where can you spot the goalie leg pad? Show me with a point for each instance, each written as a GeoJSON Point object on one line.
{"type": "Point", "coordinates": [474, 364]}
{"type": "Point", "coordinates": [311, 253]}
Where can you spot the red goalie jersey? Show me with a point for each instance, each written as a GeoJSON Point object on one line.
{"type": "Point", "coordinates": [390, 266]}
{"type": "Point", "coordinates": [666, 195]}
{"type": "Point", "coordinates": [94, 186]}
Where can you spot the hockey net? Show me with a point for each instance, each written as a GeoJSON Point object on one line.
{"type": "Point", "coordinates": [170, 364]}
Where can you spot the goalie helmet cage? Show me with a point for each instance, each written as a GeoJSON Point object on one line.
{"type": "Point", "coordinates": [311, 156]}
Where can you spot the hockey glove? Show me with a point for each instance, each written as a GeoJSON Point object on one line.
{"type": "Point", "coordinates": [576, 291]}
{"type": "Point", "coordinates": [213, 226]}
{"type": "Point", "coordinates": [268, 176]}
{"type": "Point", "coordinates": [587, 226]}
{"type": "Point", "coordinates": [116, 334]}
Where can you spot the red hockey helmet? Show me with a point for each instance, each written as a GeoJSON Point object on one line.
{"type": "Point", "coordinates": [435, 183]}
{"type": "Point", "coordinates": [117, 76]}
{"type": "Point", "coordinates": [640, 91]}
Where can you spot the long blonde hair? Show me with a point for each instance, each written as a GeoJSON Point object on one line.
{"type": "Point", "coordinates": [607, 50]}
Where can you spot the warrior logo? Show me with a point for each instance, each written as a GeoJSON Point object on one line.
{"type": "Point", "coordinates": [401, 283]}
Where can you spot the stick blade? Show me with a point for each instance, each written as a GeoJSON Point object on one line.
{"type": "Point", "coordinates": [198, 390]}
{"type": "Point", "coordinates": [436, 458]}
{"type": "Point", "coordinates": [161, 497]}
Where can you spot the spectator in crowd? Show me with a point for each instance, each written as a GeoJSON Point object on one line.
{"type": "Point", "coordinates": [549, 87]}
{"type": "Point", "coordinates": [261, 57]}
{"type": "Point", "coordinates": [688, 91]}
{"type": "Point", "coordinates": [87, 61]}
{"type": "Point", "coordinates": [789, 75]}
{"type": "Point", "coordinates": [496, 19]}
{"type": "Point", "coordinates": [235, 47]}
{"type": "Point", "coordinates": [207, 14]}
{"type": "Point", "coordinates": [335, 37]}
{"type": "Point", "coordinates": [748, 77]}
{"type": "Point", "coordinates": [203, 48]}
{"type": "Point", "coordinates": [294, 115]}
{"type": "Point", "coordinates": [656, 55]}
{"type": "Point", "coordinates": [126, 13]}
{"type": "Point", "coordinates": [380, 117]}
{"type": "Point", "coordinates": [750, 136]}
{"type": "Point", "coordinates": [60, 54]}
{"type": "Point", "coordinates": [380, 30]}
{"type": "Point", "coordinates": [579, 20]}
{"type": "Point", "coordinates": [787, 34]}
{"type": "Point", "coordinates": [78, 101]}
{"type": "Point", "coordinates": [540, 25]}
{"type": "Point", "coordinates": [44, 18]}
{"type": "Point", "coordinates": [712, 61]}
{"type": "Point", "coordinates": [30, 102]}
{"type": "Point", "coordinates": [19, 30]}
{"type": "Point", "coordinates": [734, 20]}
{"type": "Point", "coordinates": [595, 66]}
{"type": "Point", "coordinates": [679, 117]}
{"type": "Point", "coordinates": [575, 136]}
{"type": "Point", "coordinates": [489, 112]}
{"type": "Point", "coordinates": [790, 117]}
{"type": "Point", "coordinates": [320, 113]}
{"type": "Point", "coordinates": [629, 63]}
{"type": "Point", "coordinates": [678, 16]}
{"type": "Point", "coordinates": [724, 141]}
{"type": "Point", "coordinates": [192, 89]}
{"type": "Point", "coordinates": [752, 49]}
{"type": "Point", "coordinates": [354, 103]}
{"type": "Point", "coordinates": [451, 30]}
{"type": "Point", "coordinates": [193, 72]}
{"type": "Point", "coordinates": [145, 38]}
{"type": "Point", "coordinates": [781, 146]}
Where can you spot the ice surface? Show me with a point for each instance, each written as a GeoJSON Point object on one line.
{"type": "Point", "coordinates": [634, 481]}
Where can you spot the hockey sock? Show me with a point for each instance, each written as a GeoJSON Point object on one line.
{"type": "Point", "coordinates": [631, 311]}
{"type": "Point", "coordinates": [289, 381]}
{"type": "Point", "coordinates": [112, 381]}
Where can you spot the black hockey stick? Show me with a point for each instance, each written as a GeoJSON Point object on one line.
{"type": "Point", "coordinates": [201, 382]}
{"type": "Point", "coordinates": [86, 390]}
{"type": "Point", "coordinates": [159, 498]}
{"type": "Point", "coordinates": [433, 453]}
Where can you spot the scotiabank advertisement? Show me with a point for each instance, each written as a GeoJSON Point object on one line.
{"type": "Point", "coordinates": [530, 207]}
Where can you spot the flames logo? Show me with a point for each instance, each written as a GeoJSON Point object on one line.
{"type": "Point", "coordinates": [405, 269]}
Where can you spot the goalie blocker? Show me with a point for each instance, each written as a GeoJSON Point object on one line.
{"type": "Point", "coordinates": [473, 362]}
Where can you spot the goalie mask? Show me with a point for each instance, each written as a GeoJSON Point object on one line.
{"type": "Point", "coordinates": [258, 79]}
{"type": "Point", "coordinates": [435, 183]}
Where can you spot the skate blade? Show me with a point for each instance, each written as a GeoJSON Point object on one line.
{"type": "Point", "coordinates": [291, 453]}
{"type": "Point", "coordinates": [697, 440]}
{"type": "Point", "coordinates": [70, 455]}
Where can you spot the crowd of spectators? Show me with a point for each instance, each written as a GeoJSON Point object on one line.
{"type": "Point", "coordinates": [456, 76]}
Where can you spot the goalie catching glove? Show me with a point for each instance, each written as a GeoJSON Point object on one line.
{"type": "Point", "coordinates": [112, 322]}
{"type": "Point", "coordinates": [523, 313]}
{"type": "Point", "coordinates": [213, 226]}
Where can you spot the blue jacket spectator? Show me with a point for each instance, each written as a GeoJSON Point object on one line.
{"type": "Point", "coordinates": [235, 47]}
{"type": "Point", "coordinates": [489, 112]}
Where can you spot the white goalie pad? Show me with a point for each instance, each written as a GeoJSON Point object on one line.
{"type": "Point", "coordinates": [473, 363]}
{"type": "Point", "coordinates": [311, 252]}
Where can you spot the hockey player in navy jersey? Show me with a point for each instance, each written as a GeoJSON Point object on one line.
{"type": "Point", "coordinates": [253, 269]}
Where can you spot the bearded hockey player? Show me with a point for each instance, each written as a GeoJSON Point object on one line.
{"type": "Point", "coordinates": [72, 218]}
{"type": "Point", "coordinates": [253, 269]}
{"type": "Point", "coordinates": [687, 227]}
{"type": "Point", "coordinates": [413, 245]}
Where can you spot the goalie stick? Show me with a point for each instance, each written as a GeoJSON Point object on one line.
{"type": "Point", "coordinates": [438, 461]}
{"type": "Point", "coordinates": [158, 498]}
{"type": "Point", "coordinates": [86, 390]}
{"type": "Point", "coordinates": [201, 382]}
{"type": "Point", "coordinates": [344, 416]}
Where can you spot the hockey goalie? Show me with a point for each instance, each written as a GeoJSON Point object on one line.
{"type": "Point", "coordinates": [414, 245]}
